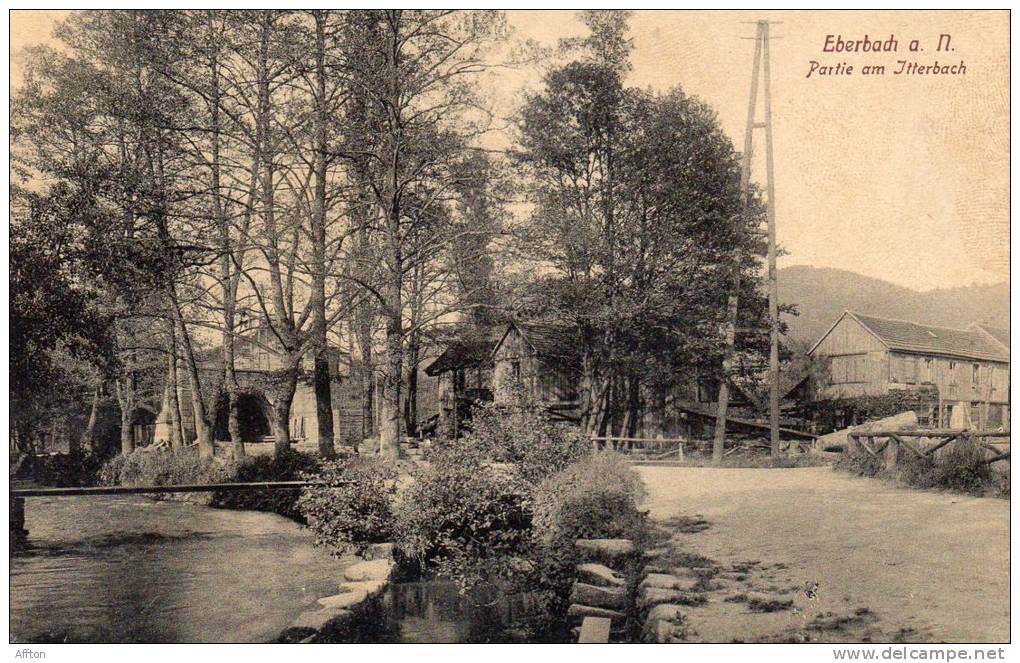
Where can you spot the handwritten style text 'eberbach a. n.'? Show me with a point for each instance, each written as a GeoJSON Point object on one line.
{"type": "Point", "coordinates": [913, 67]}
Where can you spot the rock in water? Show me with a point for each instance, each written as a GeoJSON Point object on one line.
{"type": "Point", "coordinates": [344, 600]}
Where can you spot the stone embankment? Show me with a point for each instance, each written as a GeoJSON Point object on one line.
{"type": "Point", "coordinates": [603, 590]}
{"type": "Point", "coordinates": [337, 616]}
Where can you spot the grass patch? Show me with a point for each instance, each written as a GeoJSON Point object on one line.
{"type": "Point", "coordinates": [687, 524]}
{"type": "Point", "coordinates": [831, 622]}
{"type": "Point", "coordinates": [758, 604]}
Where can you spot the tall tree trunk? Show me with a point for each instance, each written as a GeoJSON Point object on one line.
{"type": "Point", "coordinates": [392, 376]}
{"type": "Point", "coordinates": [279, 411]}
{"type": "Point", "coordinates": [203, 432]}
{"type": "Point", "coordinates": [126, 400]}
{"type": "Point", "coordinates": [88, 438]}
{"type": "Point", "coordinates": [173, 390]}
{"type": "Point", "coordinates": [228, 283]}
{"type": "Point", "coordinates": [411, 400]}
{"type": "Point", "coordinates": [323, 397]}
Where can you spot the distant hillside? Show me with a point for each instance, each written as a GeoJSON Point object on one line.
{"type": "Point", "coordinates": [822, 294]}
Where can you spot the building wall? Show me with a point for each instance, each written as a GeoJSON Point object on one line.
{"type": "Point", "coordinates": [515, 361]}
{"type": "Point", "coordinates": [858, 364]}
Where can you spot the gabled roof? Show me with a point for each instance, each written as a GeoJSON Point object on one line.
{"type": "Point", "coordinates": [998, 334]}
{"type": "Point", "coordinates": [462, 354]}
{"type": "Point", "coordinates": [549, 340]}
{"type": "Point", "coordinates": [907, 336]}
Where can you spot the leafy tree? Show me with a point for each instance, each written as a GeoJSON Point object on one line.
{"type": "Point", "coordinates": [638, 213]}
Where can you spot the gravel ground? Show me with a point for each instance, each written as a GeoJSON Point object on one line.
{"type": "Point", "coordinates": [861, 559]}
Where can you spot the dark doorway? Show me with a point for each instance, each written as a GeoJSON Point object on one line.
{"type": "Point", "coordinates": [252, 416]}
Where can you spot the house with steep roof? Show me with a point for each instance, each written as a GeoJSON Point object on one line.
{"type": "Point", "coordinates": [543, 357]}
{"type": "Point", "coordinates": [865, 355]}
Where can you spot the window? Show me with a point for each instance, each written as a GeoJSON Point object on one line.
{"type": "Point", "coordinates": [928, 374]}
{"type": "Point", "coordinates": [975, 374]}
{"type": "Point", "coordinates": [515, 370]}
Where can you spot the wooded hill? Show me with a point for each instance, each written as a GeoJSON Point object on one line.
{"type": "Point", "coordinates": [821, 294]}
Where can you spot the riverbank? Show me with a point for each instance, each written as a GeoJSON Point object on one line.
{"type": "Point", "coordinates": [130, 569]}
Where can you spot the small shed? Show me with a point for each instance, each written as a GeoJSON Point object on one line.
{"type": "Point", "coordinates": [542, 357]}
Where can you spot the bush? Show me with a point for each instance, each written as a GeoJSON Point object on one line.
{"type": "Point", "coordinates": [518, 431]}
{"type": "Point", "coordinates": [959, 468]}
{"type": "Point", "coordinates": [144, 467]}
{"type": "Point", "coordinates": [59, 470]}
{"type": "Point", "coordinates": [859, 462]}
{"type": "Point", "coordinates": [164, 467]}
{"type": "Point", "coordinates": [168, 467]}
{"type": "Point", "coordinates": [288, 466]}
{"type": "Point", "coordinates": [595, 498]}
{"type": "Point", "coordinates": [354, 510]}
{"type": "Point", "coordinates": [465, 519]}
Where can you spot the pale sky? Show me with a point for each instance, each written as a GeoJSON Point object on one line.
{"type": "Point", "coordinates": [903, 178]}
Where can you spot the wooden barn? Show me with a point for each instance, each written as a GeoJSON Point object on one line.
{"type": "Point", "coordinates": [543, 358]}
{"type": "Point", "coordinates": [864, 355]}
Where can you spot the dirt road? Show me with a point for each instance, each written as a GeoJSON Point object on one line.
{"type": "Point", "coordinates": [890, 563]}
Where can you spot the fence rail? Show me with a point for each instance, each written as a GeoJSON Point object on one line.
{"type": "Point", "coordinates": [887, 444]}
{"type": "Point", "coordinates": [141, 490]}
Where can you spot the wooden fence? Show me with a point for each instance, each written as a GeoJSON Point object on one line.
{"type": "Point", "coordinates": [888, 444]}
{"type": "Point", "coordinates": [648, 447]}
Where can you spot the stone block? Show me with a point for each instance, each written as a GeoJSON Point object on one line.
{"type": "Point", "coordinates": [606, 550]}
{"type": "Point", "coordinates": [667, 581]}
{"type": "Point", "coordinates": [669, 612]}
{"type": "Point", "coordinates": [372, 588]}
{"type": "Point", "coordinates": [600, 597]}
{"type": "Point", "coordinates": [600, 575]}
{"type": "Point", "coordinates": [376, 569]}
{"type": "Point", "coordinates": [594, 630]}
{"type": "Point", "coordinates": [650, 597]}
{"type": "Point", "coordinates": [344, 600]}
{"type": "Point", "coordinates": [576, 611]}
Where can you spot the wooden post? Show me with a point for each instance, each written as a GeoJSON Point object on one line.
{"type": "Point", "coordinates": [719, 438]}
{"type": "Point", "coordinates": [773, 287]}
{"type": "Point", "coordinates": [892, 453]}
{"type": "Point", "coordinates": [17, 520]}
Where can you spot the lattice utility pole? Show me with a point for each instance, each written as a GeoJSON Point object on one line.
{"type": "Point", "coordinates": [760, 62]}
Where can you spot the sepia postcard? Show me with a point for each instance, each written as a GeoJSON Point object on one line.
{"type": "Point", "coordinates": [510, 327]}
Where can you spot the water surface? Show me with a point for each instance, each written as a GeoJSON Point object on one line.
{"type": "Point", "coordinates": [128, 569]}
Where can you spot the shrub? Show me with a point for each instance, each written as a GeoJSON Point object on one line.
{"type": "Point", "coordinates": [61, 470]}
{"type": "Point", "coordinates": [288, 466]}
{"type": "Point", "coordinates": [464, 519]}
{"type": "Point", "coordinates": [859, 462]}
{"type": "Point", "coordinates": [166, 467]}
{"type": "Point", "coordinates": [353, 510]}
{"type": "Point", "coordinates": [594, 498]}
{"type": "Point", "coordinates": [959, 468]}
{"type": "Point", "coordinates": [518, 431]}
